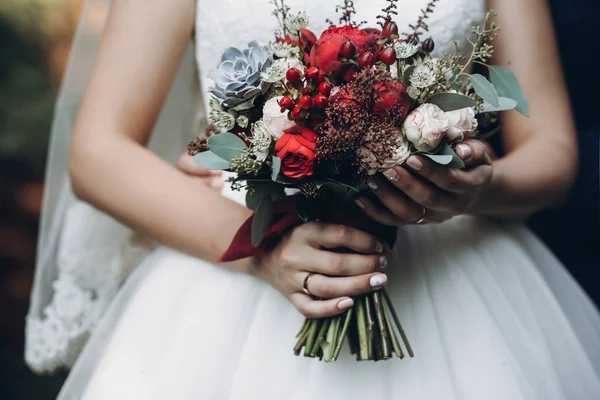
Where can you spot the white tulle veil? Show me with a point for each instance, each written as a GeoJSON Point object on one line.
{"type": "Point", "coordinates": [84, 255]}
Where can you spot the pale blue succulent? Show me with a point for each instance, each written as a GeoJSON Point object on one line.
{"type": "Point", "coordinates": [238, 78]}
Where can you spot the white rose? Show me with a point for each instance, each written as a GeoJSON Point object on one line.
{"type": "Point", "coordinates": [426, 126]}
{"type": "Point", "coordinates": [462, 124]}
{"type": "Point", "coordinates": [275, 120]}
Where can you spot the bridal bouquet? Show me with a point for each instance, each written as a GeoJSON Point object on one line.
{"type": "Point", "coordinates": [321, 115]}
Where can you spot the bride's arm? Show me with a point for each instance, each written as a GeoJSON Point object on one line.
{"type": "Point", "coordinates": [541, 151]}
{"type": "Point", "coordinates": [143, 45]}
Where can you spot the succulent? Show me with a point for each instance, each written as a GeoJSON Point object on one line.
{"type": "Point", "coordinates": [238, 78]}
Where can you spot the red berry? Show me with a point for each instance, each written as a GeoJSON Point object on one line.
{"type": "Point", "coordinates": [286, 103]}
{"type": "Point", "coordinates": [321, 101]}
{"type": "Point", "coordinates": [427, 46]}
{"type": "Point", "coordinates": [307, 91]}
{"type": "Point", "coordinates": [388, 56]}
{"type": "Point", "coordinates": [293, 75]}
{"type": "Point", "coordinates": [305, 102]}
{"type": "Point", "coordinates": [390, 30]}
{"type": "Point", "coordinates": [348, 49]}
{"type": "Point", "coordinates": [312, 73]}
{"type": "Point", "coordinates": [297, 113]}
{"type": "Point", "coordinates": [366, 60]}
{"type": "Point", "coordinates": [325, 88]}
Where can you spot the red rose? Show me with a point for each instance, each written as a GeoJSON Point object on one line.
{"type": "Point", "coordinates": [391, 94]}
{"type": "Point", "coordinates": [325, 52]}
{"type": "Point", "coordinates": [296, 149]}
{"type": "Point", "coordinates": [307, 40]}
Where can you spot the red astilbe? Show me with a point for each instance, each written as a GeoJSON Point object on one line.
{"type": "Point", "coordinates": [361, 110]}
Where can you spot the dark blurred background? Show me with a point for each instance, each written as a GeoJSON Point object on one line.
{"type": "Point", "coordinates": [35, 37]}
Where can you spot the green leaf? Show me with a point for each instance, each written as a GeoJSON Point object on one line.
{"type": "Point", "coordinates": [258, 190]}
{"type": "Point", "coordinates": [445, 155]}
{"type": "Point", "coordinates": [276, 168]}
{"type": "Point", "coordinates": [485, 89]}
{"type": "Point", "coordinates": [303, 208]}
{"type": "Point", "coordinates": [262, 220]}
{"type": "Point", "coordinates": [210, 160]}
{"type": "Point", "coordinates": [508, 85]}
{"type": "Point", "coordinates": [452, 101]}
{"type": "Point", "coordinates": [504, 104]}
{"type": "Point", "coordinates": [226, 145]}
{"type": "Point", "coordinates": [446, 150]}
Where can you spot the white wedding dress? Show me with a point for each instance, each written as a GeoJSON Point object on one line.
{"type": "Point", "coordinates": [490, 313]}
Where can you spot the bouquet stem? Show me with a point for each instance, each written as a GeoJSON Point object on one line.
{"type": "Point", "coordinates": [370, 324]}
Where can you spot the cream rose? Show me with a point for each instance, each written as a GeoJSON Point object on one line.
{"type": "Point", "coordinates": [426, 126]}
{"type": "Point", "coordinates": [275, 120]}
{"type": "Point", "coordinates": [462, 124]}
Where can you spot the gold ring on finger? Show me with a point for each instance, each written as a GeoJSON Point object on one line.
{"type": "Point", "coordinates": [305, 283]}
{"type": "Point", "coordinates": [421, 220]}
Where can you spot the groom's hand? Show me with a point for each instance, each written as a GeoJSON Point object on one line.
{"type": "Point", "coordinates": [205, 176]}
{"type": "Point", "coordinates": [429, 191]}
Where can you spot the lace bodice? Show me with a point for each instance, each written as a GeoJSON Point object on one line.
{"type": "Point", "coordinates": [95, 253]}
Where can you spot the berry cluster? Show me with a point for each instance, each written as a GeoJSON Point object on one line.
{"type": "Point", "coordinates": [311, 92]}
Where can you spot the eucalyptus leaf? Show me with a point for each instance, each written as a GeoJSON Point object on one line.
{"type": "Point", "coordinates": [226, 145]}
{"type": "Point", "coordinates": [441, 159]}
{"type": "Point", "coordinates": [508, 85]}
{"type": "Point", "coordinates": [276, 168]}
{"type": "Point", "coordinates": [452, 101]}
{"type": "Point", "coordinates": [485, 89]}
{"type": "Point", "coordinates": [210, 160]}
{"type": "Point", "coordinates": [262, 220]}
{"type": "Point", "coordinates": [258, 190]}
{"type": "Point", "coordinates": [446, 150]}
{"type": "Point", "coordinates": [504, 104]}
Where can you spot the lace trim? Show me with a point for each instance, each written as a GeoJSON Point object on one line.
{"type": "Point", "coordinates": [96, 255]}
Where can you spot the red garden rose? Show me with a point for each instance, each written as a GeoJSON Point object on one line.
{"type": "Point", "coordinates": [325, 52]}
{"type": "Point", "coordinates": [296, 149]}
{"type": "Point", "coordinates": [391, 94]}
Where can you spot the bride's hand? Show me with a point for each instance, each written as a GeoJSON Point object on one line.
{"type": "Point", "coordinates": [207, 177]}
{"type": "Point", "coordinates": [336, 276]}
{"type": "Point", "coordinates": [430, 193]}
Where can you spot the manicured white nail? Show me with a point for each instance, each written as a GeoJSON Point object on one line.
{"type": "Point", "coordinates": [372, 185]}
{"type": "Point", "coordinates": [378, 280]}
{"type": "Point", "coordinates": [414, 163]}
{"type": "Point", "coordinates": [360, 204]}
{"type": "Point", "coordinates": [216, 184]}
{"type": "Point", "coordinates": [383, 261]}
{"type": "Point", "coordinates": [345, 304]}
{"type": "Point", "coordinates": [378, 248]}
{"type": "Point", "coordinates": [464, 151]}
{"type": "Point", "coordinates": [392, 175]}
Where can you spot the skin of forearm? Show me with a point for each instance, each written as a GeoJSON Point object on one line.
{"type": "Point", "coordinates": [127, 181]}
{"type": "Point", "coordinates": [536, 176]}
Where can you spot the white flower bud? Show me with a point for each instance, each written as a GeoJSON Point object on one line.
{"type": "Point", "coordinates": [426, 126]}
{"type": "Point", "coordinates": [462, 124]}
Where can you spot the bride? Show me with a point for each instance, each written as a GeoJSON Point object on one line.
{"type": "Point", "coordinates": [491, 313]}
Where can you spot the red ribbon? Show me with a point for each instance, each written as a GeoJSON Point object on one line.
{"type": "Point", "coordinates": [285, 218]}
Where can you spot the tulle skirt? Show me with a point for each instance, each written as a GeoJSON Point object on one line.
{"type": "Point", "coordinates": [490, 313]}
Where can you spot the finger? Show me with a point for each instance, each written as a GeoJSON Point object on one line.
{"type": "Point", "coordinates": [312, 308]}
{"type": "Point", "coordinates": [330, 263]}
{"type": "Point", "coordinates": [378, 213]}
{"type": "Point", "coordinates": [448, 179]}
{"type": "Point", "coordinates": [473, 152]}
{"type": "Point", "coordinates": [187, 164]}
{"type": "Point", "coordinates": [420, 191]}
{"type": "Point", "coordinates": [332, 287]}
{"type": "Point", "coordinates": [331, 236]}
{"type": "Point", "coordinates": [403, 208]}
